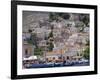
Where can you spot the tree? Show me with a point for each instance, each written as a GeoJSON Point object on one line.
{"type": "Point", "coordinates": [87, 42]}
{"type": "Point", "coordinates": [77, 54]}
{"type": "Point", "coordinates": [51, 34]}
{"type": "Point", "coordinates": [51, 46]}
{"type": "Point", "coordinates": [38, 51]}
{"type": "Point", "coordinates": [87, 53]}
{"type": "Point", "coordinates": [81, 29]}
{"type": "Point", "coordinates": [65, 16]}
{"type": "Point", "coordinates": [50, 41]}
{"type": "Point", "coordinates": [84, 18]}
{"type": "Point", "coordinates": [30, 31]}
{"type": "Point", "coordinates": [33, 39]}
{"type": "Point", "coordinates": [53, 16]}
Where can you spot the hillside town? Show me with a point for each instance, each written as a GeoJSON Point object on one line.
{"type": "Point", "coordinates": [52, 39]}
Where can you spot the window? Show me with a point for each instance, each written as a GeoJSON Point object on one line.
{"type": "Point", "coordinates": [53, 58]}
{"type": "Point", "coordinates": [67, 57]}
{"type": "Point", "coordinates": [26, 52]}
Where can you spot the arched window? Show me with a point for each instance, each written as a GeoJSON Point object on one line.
{"type": "Point", "coordinates": [67, 57]}
{"type": "Point", "coordinates": [26, 52]}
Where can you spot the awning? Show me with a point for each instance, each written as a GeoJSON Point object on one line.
{"type": "Point", "coordinates": [31, 58]}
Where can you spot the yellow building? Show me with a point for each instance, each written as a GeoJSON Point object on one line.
{"type": "Point", "coordinates": [28, 50]}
